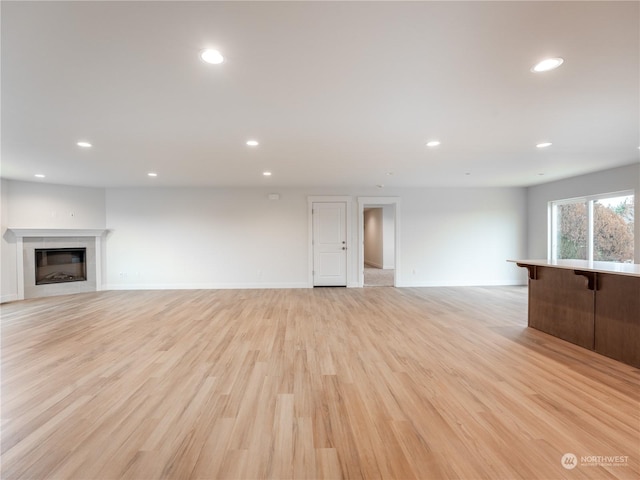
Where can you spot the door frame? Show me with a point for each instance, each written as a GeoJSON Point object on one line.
{"type": "Point", "coordinates": [377, 202]}
{"type": "Point", "coordinates": [348, 232]}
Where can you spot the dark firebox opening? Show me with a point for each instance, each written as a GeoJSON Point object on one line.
{"type": "Point", "coordinates": [60, 265]}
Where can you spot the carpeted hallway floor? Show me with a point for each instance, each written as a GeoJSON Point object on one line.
{"type": "Point", "coordinates": [377, 277]}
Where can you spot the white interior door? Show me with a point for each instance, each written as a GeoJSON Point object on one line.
{"type": "Point", "coordinates": [329, 244]}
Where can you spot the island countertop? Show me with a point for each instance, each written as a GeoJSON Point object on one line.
{"type": "Point", "coordinates": [630, 269]}
{"type": "Point", "coordinates": [592, 304]}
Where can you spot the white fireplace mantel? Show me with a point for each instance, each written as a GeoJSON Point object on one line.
{"type": "Point", "coordinates": [56, 232]}
{"type": "Point", "coordinates": [29, 233]}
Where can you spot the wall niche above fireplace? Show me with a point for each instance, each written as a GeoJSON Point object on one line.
{"type": "Point", "coordinates": [60, 265]}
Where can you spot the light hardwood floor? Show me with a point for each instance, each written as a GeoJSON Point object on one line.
{"type": "Point", "coordinates": [430, 383]}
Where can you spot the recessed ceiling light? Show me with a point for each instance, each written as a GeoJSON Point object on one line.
{"type": "Point", "coordinates": [547, 64]}
{"type": "Point", "coordinates": [433, 143]}
{"type": "Point", "coordinates": [84, 144]}
{"type": "Point", "coordinates": [39, 175]}
{"type": "Point", "coordinates": [252, 143]}
{"type": "Point", "coordinates": [266, 174]}
{"type": "Point", "coordinates": [152, 174]}
{"type": "Point", "coordinates": [212, 56]}
{"type": "Point", "coordinates": [544, 145]}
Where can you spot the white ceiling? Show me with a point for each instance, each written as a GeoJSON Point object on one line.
{"type": "Point", "coordinates": [337, 93]}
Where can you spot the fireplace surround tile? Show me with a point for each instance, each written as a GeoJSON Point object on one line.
{"type": "Point", "coordinates": [28, 240]}
{"type": "Point", "coordinates": [31, 290]}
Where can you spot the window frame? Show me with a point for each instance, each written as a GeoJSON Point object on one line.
{"type": "Point", "coordinates": [552, 214]}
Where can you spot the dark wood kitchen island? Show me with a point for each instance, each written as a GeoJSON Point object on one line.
{"type": "Point", "coordinates": [593, 304]}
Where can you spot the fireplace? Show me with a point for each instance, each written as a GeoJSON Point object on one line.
{"type": "Point", "coordinates": [28, 240]}
{"type": "Point", "coordinates": [60, 265]}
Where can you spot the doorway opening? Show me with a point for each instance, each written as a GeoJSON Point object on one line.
{"type": "Point", "coordinates": [378, 246]}
{"type": "Point", "coordinates": [378, 259]}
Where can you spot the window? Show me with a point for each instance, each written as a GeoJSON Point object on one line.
{"type": "Point", "coordinates": [593, 228]}
{"type": "Point", "coordinates": [571, 233]}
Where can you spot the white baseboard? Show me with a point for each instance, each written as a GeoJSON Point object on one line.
{"type": "Point", "coordinates": [203, 286]}
{"type": "Point", "coordinates": [459, 284]}
{"type": "Point", "coordinates": [9, 298]}
{"type": "Point", "coordinates": [372, 264]}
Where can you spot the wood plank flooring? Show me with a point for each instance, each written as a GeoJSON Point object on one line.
{"type": "Point", "coordinates": [432, 383]}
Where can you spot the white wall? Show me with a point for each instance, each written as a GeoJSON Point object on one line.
{"type": "Point", "coordinates": [205, 238]}
{"type": "Point", "coordinates": [237, 238]}
{"type": "Point", "coordinates": [462, 236]}
{"type": "Point", "coordinates": [8, 286]}
{"type": "Point", "coordinates": [373, 237]}
{"type": "Point", "coordinates": [388, 237]}
{"type": "Point", "coordinates": [208, 237]}
{"type": "Point", "coordinates": [41, 205]}
{"type": "Point", "coordinates": [613, 180]}
{"type": "Point", "coordinates": [38, 205]}
{"type": "Point", "coordinates": [191, 238]}
{"type": "Point", "coordinates": [379, 237]}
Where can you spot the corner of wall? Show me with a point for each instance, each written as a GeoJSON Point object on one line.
{"type": "Point", "coordinates": [8, 258]}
